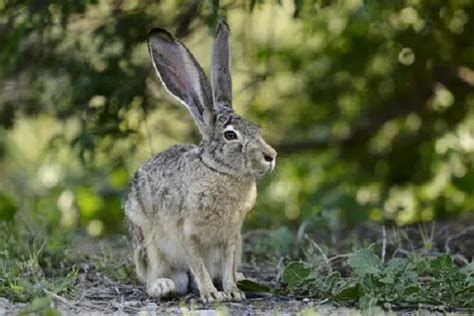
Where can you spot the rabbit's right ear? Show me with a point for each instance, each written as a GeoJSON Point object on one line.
{"type": "Point", "coordinates": [220, 72]}
{"type": "Point", "coordinates": [182, 77]}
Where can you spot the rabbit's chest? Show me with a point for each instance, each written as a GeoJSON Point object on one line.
{"type": "Point", "coordinates": [223, 213]}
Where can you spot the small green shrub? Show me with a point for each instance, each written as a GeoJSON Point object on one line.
{"type": "Point", "coordinates": [398, 282]}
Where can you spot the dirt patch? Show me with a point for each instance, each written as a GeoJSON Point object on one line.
{"type": "Point", "coordinates": [106, 283]}
{"type": "Point", "coordinates": [97, 293]}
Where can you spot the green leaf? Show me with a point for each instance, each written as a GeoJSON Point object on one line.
{"type": "Point", "coordinates": [350, 292]}
{"type": "Point", "coordinates": [364, 262]}
{"type": "Point", "coordinates": [332, 281]}
{"type": "Point", "coordinates": [396, 266]}
{"type": "Point", "coordinates": [295, 273]}
{"type": "Point", "coordinates": [444, 262]}
{"type": "Point", "coordinates": [410, 290]}
{"type": "Point", "coordinates": [251, 286]}
{"type": "Point", "coordinates": [387, 280]}
{"type": "Point", "coordinates": [369, 301]}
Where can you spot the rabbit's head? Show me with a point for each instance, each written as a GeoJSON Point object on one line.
{"type": "Point", "coordinates": [230, 142]}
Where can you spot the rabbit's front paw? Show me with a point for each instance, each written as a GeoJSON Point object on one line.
{"type": "Point", "coordinates": [162, 288]}
{"type": "Point", "coordinates": [212, 297]}
{"type": "Point", "coordinates": [236, 295]}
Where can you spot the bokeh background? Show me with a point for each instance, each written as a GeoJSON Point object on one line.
{"type": "Point", "coordinates": [370, 104]}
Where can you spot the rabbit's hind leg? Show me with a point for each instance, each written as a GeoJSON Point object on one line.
{"type": "Point", "coordinates": [160, 278]}
{"type": "Point", "coordinates": [181, 279]}
{"type": "Point", "coordinates": [139, 251]}
{"type": "Point", "coordinates": [239, 276]}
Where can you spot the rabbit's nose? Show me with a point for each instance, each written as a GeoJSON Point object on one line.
{"type": "Point", "coordinates": [268, 158]}
{"type": "Point", "coordinates": [269, 155]}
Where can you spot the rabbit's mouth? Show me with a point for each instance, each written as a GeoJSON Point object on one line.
{"type": "Point", "coordinates": [272, 165]}
{"type": "Point", "coordinates": [265, 167]}
{"type": "Point", "coordinates": [260, 173]}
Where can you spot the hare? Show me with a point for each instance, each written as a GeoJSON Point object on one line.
{"type": "Point", "coordinates": [186, 206]}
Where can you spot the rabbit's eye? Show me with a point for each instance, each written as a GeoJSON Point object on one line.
{"type": "Point", "coordinates": [230, 135]}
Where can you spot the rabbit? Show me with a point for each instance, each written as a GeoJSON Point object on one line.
{"type": "Point", "coordinates": [186, 206]}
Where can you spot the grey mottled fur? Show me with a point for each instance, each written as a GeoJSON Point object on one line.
{"type": "Point", "coordinates": [186, 205]}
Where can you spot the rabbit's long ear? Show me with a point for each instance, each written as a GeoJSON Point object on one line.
{"type": "Point", "coordinates": [220, 74]}
{"type": "Point", "coordinates": [182, 77]}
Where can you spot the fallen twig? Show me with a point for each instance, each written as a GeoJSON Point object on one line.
{"type": "Point", "coordinates": [58, 297]}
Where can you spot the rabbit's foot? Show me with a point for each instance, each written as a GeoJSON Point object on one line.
{"type": "Point", "coordinates": [239, 276]}
{"type": "Point", "coordinates": [212, 297]}
{"type": "Point", "coordinates": [162, 288]}
{"type": "Point", "coordinates": [235, 295]}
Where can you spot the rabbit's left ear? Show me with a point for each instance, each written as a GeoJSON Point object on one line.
{"type": "Point", "coordinates": [182, 77]}
{"type": "Point", "coordinates": [220, 72]}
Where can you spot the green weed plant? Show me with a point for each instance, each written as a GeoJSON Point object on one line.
{"type": "Point", "coordinates": [401, 282]}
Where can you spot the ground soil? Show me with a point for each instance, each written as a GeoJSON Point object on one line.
{"type": "Point", "coordinates": [99, 293]}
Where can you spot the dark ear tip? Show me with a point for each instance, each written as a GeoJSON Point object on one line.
{"type": "Point", "coordinates": [158, 32]}
{"type": "Point", "coordinates": [223, 26]}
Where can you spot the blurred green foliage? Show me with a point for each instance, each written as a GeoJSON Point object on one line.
{"type": "Point", "coordinates": [370, 104]}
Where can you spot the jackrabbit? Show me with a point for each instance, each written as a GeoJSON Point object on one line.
{"type": "Point", "coordinates": [186, 205]}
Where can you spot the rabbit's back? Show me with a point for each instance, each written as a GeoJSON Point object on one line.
{"type": "Point", "coordinates": [168, 162]}
{"type": "Point", "coordinates": [156, 186]}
